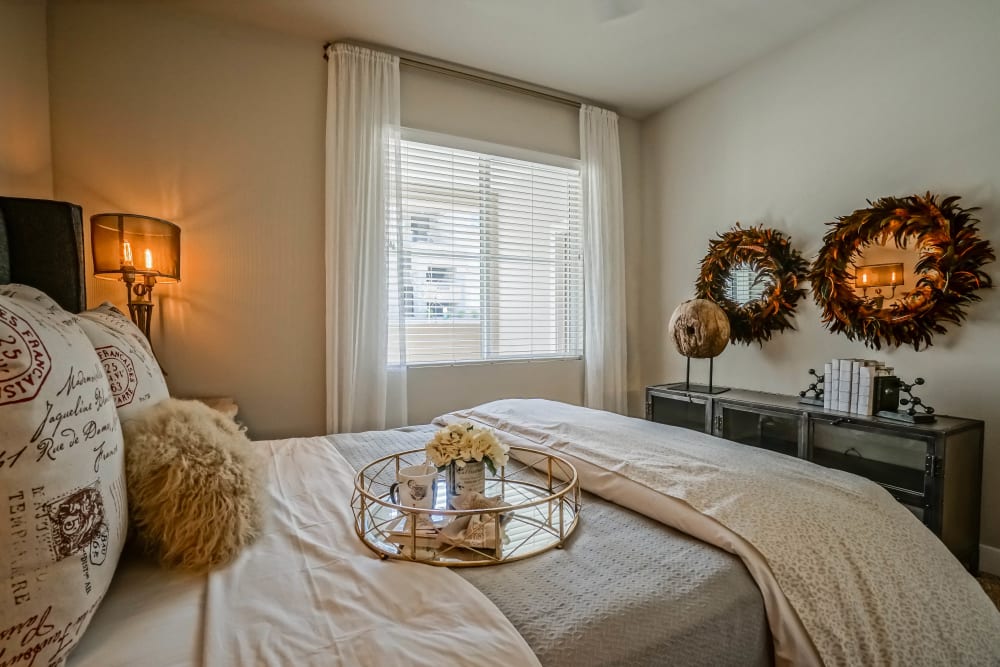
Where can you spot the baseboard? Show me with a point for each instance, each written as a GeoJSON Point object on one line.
{"type": "Point", "coordinates": [989, 559]}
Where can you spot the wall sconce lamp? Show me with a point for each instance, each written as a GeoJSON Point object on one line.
{"type": "Point", "coordinates": [878, 276]}
{"type": "Point", "coordinates": [140, 251]}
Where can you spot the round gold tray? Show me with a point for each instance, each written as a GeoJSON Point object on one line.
{"type": "Point", "coordinates": [540, 491]}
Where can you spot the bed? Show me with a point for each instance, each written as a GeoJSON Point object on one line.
{"type": "Point", "coordinates": [626, 589]}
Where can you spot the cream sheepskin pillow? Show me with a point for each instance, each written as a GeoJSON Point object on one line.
{"type": "Point", "coordinates": [195, 484]}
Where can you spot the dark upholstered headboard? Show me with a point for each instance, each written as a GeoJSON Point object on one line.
{"type": "Point", "coordinates": [41, 244]}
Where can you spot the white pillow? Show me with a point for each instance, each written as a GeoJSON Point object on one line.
{"type": "Point", "coordinates": [133, 372]}
{"type": "Point", "coordinates": [34, 296]}
{"type": "Point", "coordinates": [62, 475]}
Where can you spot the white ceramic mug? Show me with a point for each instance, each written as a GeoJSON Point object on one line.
{"type": "Point", "coordinates": [416, 486]}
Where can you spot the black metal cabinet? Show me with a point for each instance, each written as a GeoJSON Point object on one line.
{"type": "Point", "coordinates": [759, 426]}
{"type": "Point", "coordinates": [688, 410]}
{"type": "Point", "coordinates": [935, 469]}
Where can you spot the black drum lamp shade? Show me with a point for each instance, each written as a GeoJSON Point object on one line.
{"type": "Point", "coordinates": [124, 241]}
{"type": "Point", "coordinates": [140, 251]}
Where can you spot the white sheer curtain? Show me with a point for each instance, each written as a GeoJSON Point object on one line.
{"type": "Point", "coordinates": [604, 261]}
{"type": "Point", "coordinates": [362, 193]}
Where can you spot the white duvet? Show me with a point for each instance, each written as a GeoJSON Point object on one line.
{"type": "Point", "coordinates": [308, 592]}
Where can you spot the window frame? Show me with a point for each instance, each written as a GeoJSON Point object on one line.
{"type": "Point", "coordinates": [515, 153]}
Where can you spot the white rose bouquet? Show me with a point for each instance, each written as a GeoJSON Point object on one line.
{"type": "Point", "coordinates": [463, 442]}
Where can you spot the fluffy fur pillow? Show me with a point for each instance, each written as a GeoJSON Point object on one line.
{"type": "Point", "coordinates": [195, 484]}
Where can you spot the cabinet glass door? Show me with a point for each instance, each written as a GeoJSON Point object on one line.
{"type": "Point", "coordinates": [892, 459]}
{"type": "Point", "coordinates": [679, 410]}
{"type": "Point", "coordinates": [775, 431]}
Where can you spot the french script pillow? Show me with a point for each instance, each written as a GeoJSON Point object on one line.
{"type": "Point", "coordinates": [62, 480]}
{"type": "Point", "coordinates": [32, 295]}
{"type": "Point", "coordinates": [133, 372]}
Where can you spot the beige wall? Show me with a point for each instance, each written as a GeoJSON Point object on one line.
{"type": "Point", "coordinates": [437, 103]}
{"type": "Point", "coordinates": [897, 98]}
{"type": "Point", "coordinates": [25, 150]}
{"type": "Point", "coordinates": [219, 127]}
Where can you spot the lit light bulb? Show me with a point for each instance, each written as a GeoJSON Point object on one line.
{"type": "Point", "coordinates": [864, 278]}
{"type": "Point", "coordinates": [892, 280]}
{"type": "Point", "coordinates": [149, 259]}
{"type": "Point", "coordinates": [127, 254]}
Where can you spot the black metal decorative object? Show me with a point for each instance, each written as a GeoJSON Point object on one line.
{"type": "Point", "coordinates": [769, 254]}
{"type": "Point", "coordinates": [917, 413]}
{"type": "Point", "coordinates": [949, 270]}
{"type": "Point", "coordinates": [886, 393]}
{"type": "Point", "coordinates": [815, 389]}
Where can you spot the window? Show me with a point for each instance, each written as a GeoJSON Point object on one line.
{"type": "Point", "coordinates": [439, 274]}
{"type": "Point", "coordinates": [745, 284]}
{"type": "Point", "coordinates": [420, 229]}
{"type": "Point", "coordinates": [486, 260]}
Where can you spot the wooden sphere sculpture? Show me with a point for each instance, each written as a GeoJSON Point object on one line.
{"type": "Point", "coordinates": [699, 329]}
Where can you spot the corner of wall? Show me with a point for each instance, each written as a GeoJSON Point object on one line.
{"type": "Point", "coordinates": [25, 135]}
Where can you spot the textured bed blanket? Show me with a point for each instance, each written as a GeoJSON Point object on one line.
{"type": "Point", "coordinates": [848, 576]}
{"type": "Point", "coordinates": [625, 591]}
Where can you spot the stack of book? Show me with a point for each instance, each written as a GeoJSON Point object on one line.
{"type": "Point", "coordinates": [849, 385]}
{"type": "Point", "coordinates": [424, 538]}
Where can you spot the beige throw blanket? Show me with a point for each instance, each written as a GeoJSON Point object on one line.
{"type": "Point", "coordinates": [848, 575]}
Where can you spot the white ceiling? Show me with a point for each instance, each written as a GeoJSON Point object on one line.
{"type": "Point", "coordinates": [635, 55]}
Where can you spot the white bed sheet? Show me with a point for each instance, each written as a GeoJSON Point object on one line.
{"type": "Point", "coordinates": [149, 618]}
{"type": "Point", "coordinates": [306, 593]}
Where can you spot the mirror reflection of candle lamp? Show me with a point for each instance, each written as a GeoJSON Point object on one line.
{"type": "Point", "coordinates": [879, 276]}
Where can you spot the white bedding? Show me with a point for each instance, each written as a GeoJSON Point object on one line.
{"type": "Point", "coordinates": [307, 593]}
{"type": "Point", "coordinates": [149, 618]}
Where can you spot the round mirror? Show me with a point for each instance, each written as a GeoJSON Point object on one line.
{"type": "Point", "coordinates": [896, 272]}
{"type": "Point", "coordinates": [746, 282]}
{"type": "Point", "coordinates": [754, 276]}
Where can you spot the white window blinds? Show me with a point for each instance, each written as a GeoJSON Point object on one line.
{"type": "Point", "coordinates": [486, 260]}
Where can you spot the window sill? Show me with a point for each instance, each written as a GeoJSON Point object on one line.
{"type": "Point", "coordinates": [492, 362]}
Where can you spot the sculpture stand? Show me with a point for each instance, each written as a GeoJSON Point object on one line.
{"type": "Point", "coordinates": [699, 388]}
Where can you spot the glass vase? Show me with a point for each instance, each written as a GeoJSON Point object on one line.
{"type": "Point", "coordinates": [469, 477]}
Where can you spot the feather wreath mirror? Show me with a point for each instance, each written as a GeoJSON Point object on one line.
{"type": "Point", "coordinates": [908, 299]}
{"type": "Point", "coordinates": [754, 275]}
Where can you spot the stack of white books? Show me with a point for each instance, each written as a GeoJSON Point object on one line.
{"type": "Point", "coordinates": [425, 534]}
{"type": "Point", "coordinates": [848, 385]}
